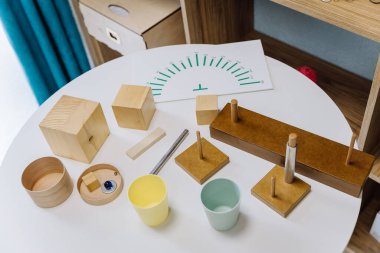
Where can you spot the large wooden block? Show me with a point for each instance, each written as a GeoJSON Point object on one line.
{"type": "Point", "coordinates": [206, 109]}
{"type": "Point", "coordinates": [318, 158]}
{"type": "Point", "coordinates": [134, 107]}
{"type": "Point", "coordinates": [75, 128]}
{"type": "Point", "coordinates": [287, 196]}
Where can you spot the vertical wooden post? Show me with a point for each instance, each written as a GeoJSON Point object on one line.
{"type": "Point", "coordinates": [292, 140]}
{"type": "Point", "coordinates": [199, 145]}
{"type": "Point", "coordinates": [273, 187]}
{"type": "Point", "coordinates": [234, 111]}
{"type": "Point", "coordinates": [353, 138]}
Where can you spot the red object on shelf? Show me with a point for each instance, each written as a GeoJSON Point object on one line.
{"type": "Point", "coordinates": [308, 72]}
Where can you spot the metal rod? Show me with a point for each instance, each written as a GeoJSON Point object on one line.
{"type": "Point", "coordinates": [169, 153]}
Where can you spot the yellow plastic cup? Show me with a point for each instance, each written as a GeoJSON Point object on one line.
{"type": "Point", "coordinates": [149, 197]}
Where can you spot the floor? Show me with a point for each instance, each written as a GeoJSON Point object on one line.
{"type": "Point", "coordinates": [17, 102]}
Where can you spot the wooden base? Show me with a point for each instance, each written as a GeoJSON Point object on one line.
{"type": "Point", "coordinates": [287, 195]}
{"type": "Point", "coordinates": [202, 169]}
{"type": "Point", "coordinates": [318, 158]}
{"type": "Point", "coordinates": [102, 172]}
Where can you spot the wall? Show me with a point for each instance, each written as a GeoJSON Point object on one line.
{"type": "Point", "coordinates": [342, 48]}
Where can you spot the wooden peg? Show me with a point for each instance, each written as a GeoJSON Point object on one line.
{"type": "Point", "coordinates": [348, 159]}
{"type": "Point", "coordinates": [273, 187]}
{"type": "Point", "coordinates": [199, 145]}
{"type": "Point", "coordinates": [234, 110]}
{"type": "Point", "coordinates": [292, 140]}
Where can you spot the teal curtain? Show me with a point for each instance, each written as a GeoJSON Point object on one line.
{"type": "Point", "coordinates": [46, 41]}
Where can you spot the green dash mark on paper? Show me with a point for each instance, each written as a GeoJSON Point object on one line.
{"type": "Point", "coordinates": [233, 72]}
{"type": "Point", "coordinates": [204, 60]}
{"type": "Point", "coordinates": [212, 60]}
{"type": "Point", "coordinates": [232, 66]}
{"type": "Point", "coordinates": [242, 73]}
{"type": "Point", "coordinates": [250, 83]}
{"type": "Point", "coordinates": [171, 71]}
{"type": "Point", "coordinates": [191, 65]}
{"type": "Point", "coordinates": [161, 79]}
{"type": "Point", "coordinates": [156, 89]}
{"type": "Point", "coordinates": [156, 94]}
{"type": "Point", "coordinates": [183, 65]}
{"type": "Point", "coordinates": [225, 64]}
{"type": "Point", "coordinates": [164, 74]}
{"type": "Point", "coordinates": [242, 79]}
{"type": "Point", "coordinates": [159, 84]}
{"type": "Point", "coordinates": [196, 59]}
{"type": "Point", "coordinates": [200, 88]}
{"type": "Point", "coordinates": [221, 58]}
{"type": "Point", "coordinates": [175, 66]}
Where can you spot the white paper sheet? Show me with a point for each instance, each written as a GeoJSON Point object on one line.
{"type": "Point", "coordinates": [208, 69]}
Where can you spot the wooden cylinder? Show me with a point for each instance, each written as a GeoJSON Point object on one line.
{"type": "Point", "coordinates": [47, 182]}
{"type": "Point", "coordinates": [348, 158]}
{"type": "Point", "coordinates": [292, 142]}
{"type": "Point", "coordinates": [199, 145]}
{"type": "Point", "coordinates": [234, 111]}
{"type": "Point", "coordinates": [273, 187]}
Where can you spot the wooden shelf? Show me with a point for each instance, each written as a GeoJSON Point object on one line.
{"type": "Point", "coordinates": [360, 16]}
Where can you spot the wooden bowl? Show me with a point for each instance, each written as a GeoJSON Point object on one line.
{"type": "Point", "coordinates": [47, 182]}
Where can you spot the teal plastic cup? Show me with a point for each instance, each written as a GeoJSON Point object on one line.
{"type": "Point", "coordinates": [221, 201]}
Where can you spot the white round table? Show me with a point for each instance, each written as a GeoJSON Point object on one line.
{"type": "Point", "coordinates": [322, 222]}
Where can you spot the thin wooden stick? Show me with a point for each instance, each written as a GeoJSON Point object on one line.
{"type": "Point", "coordinates": [273, 187]}
{"type": "Point", "coordinates": [234, 111]}
{"type": "Point", "coordinates": [348, 159]}
{"type": "Point", "coordinates": [292, 140]}
{"type": "Point", "coordinates": [199, 145]}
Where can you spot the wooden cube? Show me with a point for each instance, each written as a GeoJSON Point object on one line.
{"type": "Point", "coordinates": [134, 107]}
{"type": "Point", "coordinates": [91, 182]}
{"type": "Point", "coordinates": [206, 109]}
{"type": "Point", "coordinates": [75, 128]}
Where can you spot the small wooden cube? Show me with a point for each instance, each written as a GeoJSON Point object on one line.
{"type": "Point", "coordinates": [134, 107]}
{"type": "Point", "coordinates": [75, 128]}
{"type": "Point", "coordinates": [206, 109]}
{"type": "Point", "coordinates": [91, 182]}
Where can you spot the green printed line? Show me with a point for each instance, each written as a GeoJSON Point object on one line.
{"type": "Point", "coordinates": [161, 79]}
{"type": "Point", "coordinates": [250, 83]}
{"type": "Point", "coordinates": [242, 73]}
{"type": "Point", "coordinates": [241, 79]}
{"type": "Point", "coordinates": [164, 74]}
{"type": "Point", "coordinates": [156, 94]}
{"type": "Point", "coordinates": [225, 64]}
{"type": "Point", "coordinates": [219, 62]}
{"type": "Point", "coordinates": [159, 84]}
{"type": "Point", "coordinates": [232, 66]}
{"type": "Point", "coordinates": [156, 89]}
{"type": "Point", "coordinates": [191, 65]}
{"type": "Point", "coordinates": [170, 71]}
{"type": "Point", "coordinates": [196, 59]}
{"type": "Point", "coordinates": [212, 60]}
{"type": "Point", "coordinates": [233, 72]}
{"type": "Point", "coordinates": [176, 67]}
{"type": "Point", "coordinates": [183, 65]}
{"type": "Point", "coordinates": [204, 60]}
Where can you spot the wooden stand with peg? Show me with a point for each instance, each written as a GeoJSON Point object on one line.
{"type": "Point", "coordinates": [202, 159]}
{"type": "Point", "coordinates": [317, 157]}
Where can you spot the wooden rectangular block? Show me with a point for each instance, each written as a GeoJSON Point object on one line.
{"type": "Point", "coordinates": [146, 143]}
{"type": "Point", "coordinates": [318, 158]}
{"type": "Point", "coordinates": [287, 195]}
{"type": "Point", "coordinates": [134, 107]}
{"type": "Point", "coordinates": [202, 169]}
{"type": "Point", "coordinates": [75, 128]}
{"type": "Point", "coordinates": [206, 108]}
{"type": "Point", "coordinates": [91, 182]}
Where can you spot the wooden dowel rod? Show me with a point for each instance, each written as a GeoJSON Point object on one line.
{"type": "Point", "coordinates": [348, 159]}
{"type": "Point", "coordinates": [199, 145]}
{"type": "Point", "coordinates": [234, 110]}
{"type": "Point", "coordinates": [273, 187]}
{"type": "Point", "coordinates": [292, 140]}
